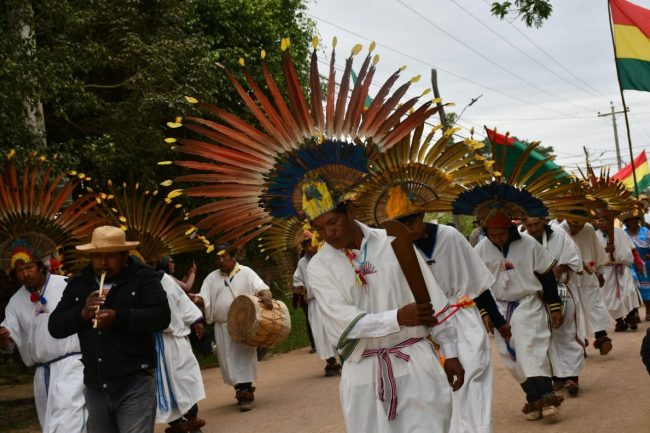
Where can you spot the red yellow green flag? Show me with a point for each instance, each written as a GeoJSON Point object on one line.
{"type": "Point", "coordinates": [631, 28]}
{"type": "Point", "coordinates": [641, 169]}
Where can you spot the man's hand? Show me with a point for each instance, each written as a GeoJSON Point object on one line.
{"type": "Point", "coordinates": [5, 337]}
{"type": "Point", "coordinates": [298, 290]}
{"type": "Point", "coordinates": [266, 299]}
{"type": "Point", "coordinates": [455, 373]}
{"type": "Point", "coordinates": [487, 322]}
{"type": "Point", "coordinates": [197, 299]}
{"type": "Point", "coordinates": [93, 301]}
{"type": "Point", "coordinates": [556, 319]}
{"type": "Point", "coordinates": [198, 329]}
{"type": "Point", "coordinates": [505, 332]}
{"type": "Point", "coordinates": [416, 315]}
{"type": "Point", "coordinates": [561, 272]}
{"type": "Point", "coordinates": [105, 318]}
{"type": "Point", "coordinates": [588, 269]}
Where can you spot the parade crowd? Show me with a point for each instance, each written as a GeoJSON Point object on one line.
{"type": "Point", "coordinates": [399, 308]}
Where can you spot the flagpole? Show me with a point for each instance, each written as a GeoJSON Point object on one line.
{"type": "Point", "coordinates": [620, 88]}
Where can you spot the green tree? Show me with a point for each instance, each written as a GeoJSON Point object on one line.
{"type": "Point", "coordinates": [531, 12]}
{"type": "Point", "coordinates": [109, 75]}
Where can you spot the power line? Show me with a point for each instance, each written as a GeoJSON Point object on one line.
{"type": "Point", "coordinates": [372, 83]}
{"type": "Point", "coordinates": [492, 62]}
{"type": "Point", "coordinates": [507, 41]}
{"type": "Point", "coordinates": [424, 62]}
{"type": "Point", "coordinates": [595, 91]}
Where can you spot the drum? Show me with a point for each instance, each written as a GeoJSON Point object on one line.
{"type": "Point", "coordinates": [250, 323]}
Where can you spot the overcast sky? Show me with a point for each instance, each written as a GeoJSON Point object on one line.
{"type": "Point", "coordinates": [544, 84]}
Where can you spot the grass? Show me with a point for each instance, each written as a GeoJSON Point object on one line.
{"type": "Point", "coordinates": [18, 415]}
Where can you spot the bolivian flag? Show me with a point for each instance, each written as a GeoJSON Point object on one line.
{"type": "Point", "coordinates": [642, 171]}
{"type": "Point", "coordinates": [631, 27]}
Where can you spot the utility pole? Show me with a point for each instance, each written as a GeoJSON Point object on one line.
{"type": "Point", "coordinates": [613, 113]}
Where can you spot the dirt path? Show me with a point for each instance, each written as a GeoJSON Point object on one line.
{"type": "Point", "coordinates": [293, 397]}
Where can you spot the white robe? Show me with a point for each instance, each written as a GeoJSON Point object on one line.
{"type": "Point", "coordinates": [178, 373]}
{"type": "Point", "coordinates": [61, 406]}
{"type": "Point", "coordinates": [593, 308]}
{"type": "Point", "coordinates": [460, 272]}
{"type": "Point", "coordinates": [424, 396]}
{"type": "Point", "coordinates": [567, 347]}
{"type": "Point", "coordinates": [516, 283]}
{"type": "Point", "coordinates": [324, 348]}
{"type": "Point", "coordinates": [619, 291]}
{"type": "Point", "coordinates": [237, 361]}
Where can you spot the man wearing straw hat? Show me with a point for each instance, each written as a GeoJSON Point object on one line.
{"type": "Point", "coordinates": [58, 379]}
{"type": "Point", "coordinates": [115, 327]}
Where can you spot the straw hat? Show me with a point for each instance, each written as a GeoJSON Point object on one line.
{"type": "Point", "coordinates": [108, 239]}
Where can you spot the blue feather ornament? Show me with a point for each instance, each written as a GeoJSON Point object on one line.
{"type": "Point", "coordinates": [319, 161]}
{"type": "Point", "coordinates": [498, 193]}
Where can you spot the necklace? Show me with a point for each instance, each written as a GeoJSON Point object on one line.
{"type": "Point", "coordinates": [361, 268]}
{"type": "Point", "coordinates": [37, 295]}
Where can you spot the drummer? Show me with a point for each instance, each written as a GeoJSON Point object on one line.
{"type": "Point", "coordinates": [566, 350]}
{"type": "Point", "coordinates": [237, 361]}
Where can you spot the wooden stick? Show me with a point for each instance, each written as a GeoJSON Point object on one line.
{"type": "Point", "coordinates": [101, 296]}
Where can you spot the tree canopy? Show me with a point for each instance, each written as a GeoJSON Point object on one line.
{"type": "Point", "coordinates": [110, 75]}
{"type": "Point", "coordinates": [531, 12]}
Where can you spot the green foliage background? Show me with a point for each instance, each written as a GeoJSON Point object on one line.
{"type": "Point", "coordinates": [110, 74]}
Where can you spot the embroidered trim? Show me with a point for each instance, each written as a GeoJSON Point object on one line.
{"type": "Point", "coordinates": [346, 346]}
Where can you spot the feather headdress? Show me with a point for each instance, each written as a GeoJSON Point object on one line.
{"type": "Point", "coordinates": [44, 210]}
{"type": "Point", "coordinates": [153, 220]}
{"type": "Point", "coordinates": [257, 171]}
{"type": "Point", "coordinates": [419, 176]}
{"type": "Point", "coordinates": [604, 192]}
{"type": "Point", "coordinates": [528, 189]}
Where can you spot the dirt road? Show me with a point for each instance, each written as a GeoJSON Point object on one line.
{"type": "Point", "coordinates": [293, 397]}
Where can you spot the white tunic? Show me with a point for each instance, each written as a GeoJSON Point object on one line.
{"type": "Point", "coordinates": [619, 291]}
{"type": "Point", "coordinates": [60, 403]}
{"type": "Point", "coordinates": [237, 361]}
{"type": "Point", "coordinates": [324, 348]}
{"type": "Point", "coordinates": [424, 396]}
{"type": "Point", "coordinates": [592, 253]}
{"type": "Point", "coordinates": [460, 272]}
{"type": "Point", "coordinates": [567, 347]}
{"type": "Point", "coordinates": [178, 376]}
{"type": "Point", "coordinates": [518, 294]}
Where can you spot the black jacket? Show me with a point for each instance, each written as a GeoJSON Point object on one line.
{"type": "Point", "coordinates": [111, 356]}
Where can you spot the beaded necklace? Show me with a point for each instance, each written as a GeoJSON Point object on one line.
{"type": "Point", "coordinates": [361, 268]}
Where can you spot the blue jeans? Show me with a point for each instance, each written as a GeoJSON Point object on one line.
{"type": "Point", "coordinates": [128, 408]}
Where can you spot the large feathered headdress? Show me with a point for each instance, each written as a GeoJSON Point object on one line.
{"type": "Point", "coordinates": [153, 220]}
{"type": "Point", "coordinates": [526, 187]}
{"type": "Point", "coordinates": [302, 153]}
{"type": "Point", "coordinates": [603, 192]}
{"type": "Point", "coordinates": [41, 212]}
{"type": "Point", "coordinates": [419, 176]}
